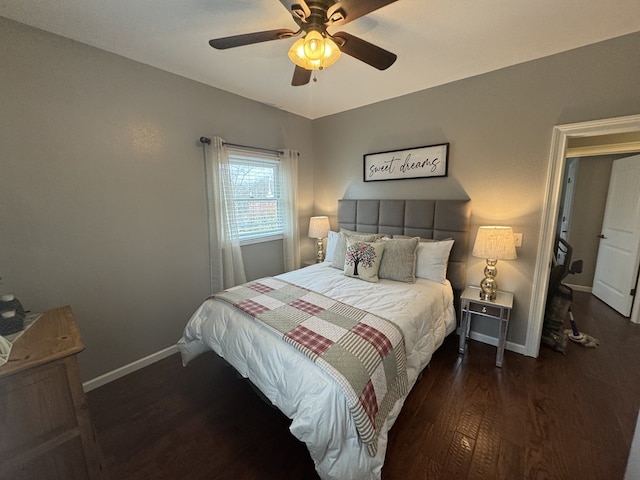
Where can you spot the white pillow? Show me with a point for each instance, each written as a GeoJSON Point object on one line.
{"type": "Point", "coordinates": [332, 241]}
{"type": "Point", "coordinates": [362, 259]}
{"type": "Point", "coordinates": [432, 259]}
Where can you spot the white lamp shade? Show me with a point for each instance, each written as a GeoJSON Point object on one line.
{"type": "Point", "coordinates": [495, 243]}
{"type": "Point", "coordinates": [319, 227]}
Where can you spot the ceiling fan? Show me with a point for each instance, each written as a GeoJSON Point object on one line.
{"type": "Point", "coordinates": [318, 49]}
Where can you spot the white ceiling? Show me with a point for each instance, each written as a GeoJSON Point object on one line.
{"type": "Point", "coordinates": [437, 41]}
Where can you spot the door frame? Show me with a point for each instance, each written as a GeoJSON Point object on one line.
{"type": "Point", "coordinates": [557, 159]}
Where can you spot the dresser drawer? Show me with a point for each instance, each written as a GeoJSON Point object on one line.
{"type": "Point", "coordinates": [45, 428]}
{"type": "Point", "coordinates": [485, 309]}
{"type": "Point", "coordinates": [35, 408]}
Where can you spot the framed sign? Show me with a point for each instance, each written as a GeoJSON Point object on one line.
{"type": "Point", "coordinates": [419, 162]}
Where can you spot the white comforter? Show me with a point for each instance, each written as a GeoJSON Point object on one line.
{"type": "Point", "coordinates": [302, 391]}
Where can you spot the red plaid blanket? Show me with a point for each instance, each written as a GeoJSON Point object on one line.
{"type": "Point", "coordinates": [364, 353]}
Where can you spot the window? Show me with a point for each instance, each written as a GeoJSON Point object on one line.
{"type": "Point", "coordinates": [257, 199]}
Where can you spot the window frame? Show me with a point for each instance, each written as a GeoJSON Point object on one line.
{"type": "Point", "coordinates": [265, 160]}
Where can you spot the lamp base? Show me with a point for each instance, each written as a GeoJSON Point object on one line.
{"type": "Point", "coordinates": [488, 285]}
{"type": "Point", "coordinates": [320, 254]}
{"type": "Point", "coordinates": [488, 296]}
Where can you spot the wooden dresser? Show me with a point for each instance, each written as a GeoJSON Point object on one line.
{"type": "Point", "coordinates": [45, 429]}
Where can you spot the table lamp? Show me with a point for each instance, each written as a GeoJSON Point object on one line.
{"type": "Point", "coordinates": [493, 243]}
{"type": "Point", "coordinates": [318, 229]}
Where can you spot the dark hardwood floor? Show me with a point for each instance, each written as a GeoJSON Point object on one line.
{"type": "Point", "coordinates": [568, 416]}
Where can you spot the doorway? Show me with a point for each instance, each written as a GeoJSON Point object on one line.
{"type": "Point", "coordinates": [561, 136]}
{"type": "Point", "coordinates": [582, 208]}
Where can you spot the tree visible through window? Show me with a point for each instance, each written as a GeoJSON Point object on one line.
{"type": "Point", "coordinates": [256, 184]}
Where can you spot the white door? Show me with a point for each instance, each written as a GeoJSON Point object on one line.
{"type": "Point", "coordinates": [617, 264]}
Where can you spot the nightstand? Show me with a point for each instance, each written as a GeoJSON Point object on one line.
{"type": "Point", "coordinates": [500, 309]}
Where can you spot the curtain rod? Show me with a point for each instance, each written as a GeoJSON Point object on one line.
{"type": "Point", "coordinates": [206, 140]}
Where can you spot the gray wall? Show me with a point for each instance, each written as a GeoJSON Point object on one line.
{"type": "Point", "coordinates": [499, 126]}
{"type": "Point", "coordinates": [102, 193]}
{"type": "Point", "coordinates": [102, 202]}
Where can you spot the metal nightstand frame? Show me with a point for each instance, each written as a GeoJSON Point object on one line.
{"type": "Point", "coordinates": [500, 309]}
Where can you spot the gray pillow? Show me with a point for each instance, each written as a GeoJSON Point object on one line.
{"type": "Point", "coordinates": [399, 260]}
{"type": "Point", "coordinates": [376, 235]}
{"type": "Point", "coordinates": [341, 247]}
{"type": "Point", "coordinates": [405, 237]}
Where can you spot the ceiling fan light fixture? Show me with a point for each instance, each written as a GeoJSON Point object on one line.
{"type": "Point", "coordinates": [314, 51]}
{"type": "Point", "coordinates": [313, 45]}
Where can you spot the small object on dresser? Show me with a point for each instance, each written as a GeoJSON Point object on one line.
{"type": "Point", "coordinates": [10, 302]}
{"type": "Point", "coordinates": [10, 323]}
{"type": "Point", "coordinates": [11, 315]}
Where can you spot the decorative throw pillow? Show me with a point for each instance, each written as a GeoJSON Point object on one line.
{"type": "Point", "coordinates": [399, 260]}
{"type": "Point", "coordinates": [362, 259]}
{"type": "Point", "coordinates": [341, 247]}
{"type": "Point", "coordinates": [432, 260]}
{"type": "Point", "coordinates": [332, 240]}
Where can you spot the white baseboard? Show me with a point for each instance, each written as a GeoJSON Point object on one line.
{"type": "Point", "coordinates": [579, 288]}
{"type": "Point", "coordinates": [130, 368]}
{"type": "Point", "coordinates": [154, 357]}
{"type": "Point", "coordinates": [512, 347]}
{"type": "Point", "coordinates": [482, 338]}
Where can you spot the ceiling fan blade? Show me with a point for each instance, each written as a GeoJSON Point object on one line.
{"type": "Point", "coordinates": [298, 8]}
{"type": "Point", "coordinates": [301, 76]}
{"type": "Point", "coordinates": [364, 51]}
{"type": "Point", "coordinates": [345, 11]}
{"type": "Point", "coordinates": [250, 38]}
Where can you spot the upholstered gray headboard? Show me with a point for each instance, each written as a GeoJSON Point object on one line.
{"type": "Point", "coordinates": [436, 219]}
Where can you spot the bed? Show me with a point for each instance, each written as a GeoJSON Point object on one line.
{"type": "Point", "coordinates": [322, 413]}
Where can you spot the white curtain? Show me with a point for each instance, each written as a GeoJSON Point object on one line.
{"type": "Point", "coordinates": [291, 238]}
{"type": "Point", "coordinates": [227, 267]}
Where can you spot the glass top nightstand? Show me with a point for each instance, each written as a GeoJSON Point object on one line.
{"type": "Point", "coordinates": [500, 309]}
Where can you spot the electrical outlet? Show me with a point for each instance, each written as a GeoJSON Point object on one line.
{"type": "Point", "coordinates": [518, 239]}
